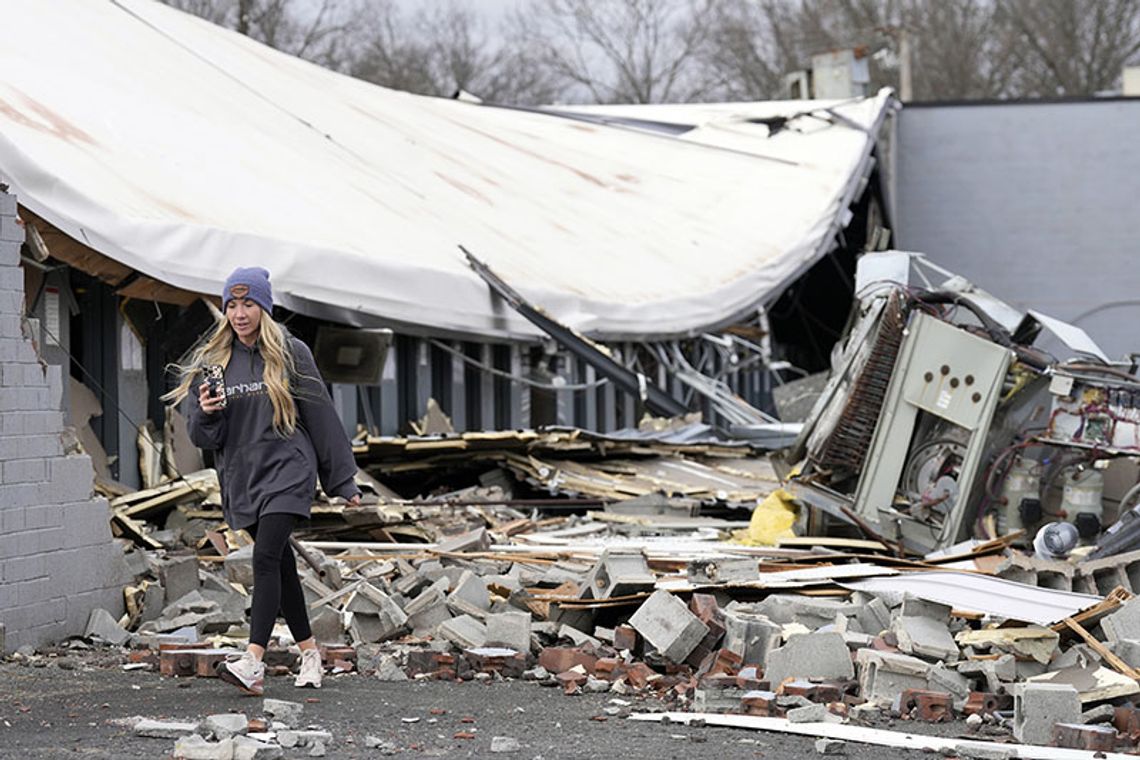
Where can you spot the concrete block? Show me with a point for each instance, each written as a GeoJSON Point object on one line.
{"type": "Point", "coordinates": [925, 637]}
{"type": "Point", "coordinates": [813, 713]}
{"type": "Point", "coordinates": [283, 711]}
{"type": "Point", "coordinates": [375, 616]}
{"type": "Point", "coordinates": [951, 682]}
{"type": "Point", "coordinates": [809, 612]}
{"type": "Point", "coordinates": [291, 739]}
{"type": "Point", "coordinates": [618, 573]}
{"type": "Point", "coordinates": [884, 675]}
{"type": "Point", "coordinates": [750, 635]}
{"type": "Point", "coordinates": [179, 576]}
{"type": "Point", "coordinates": [912, 606]}
{"type": "Point", "coordinates": [831, 746]}
{"type": "Point", "coordinates": [239, 566]}
{"type": "Point", "coordinates": [464, 631]}
{"type": "Point", "coordinates": [997, 673]}
{"type": "Point", "coordinates": [1124, 623]}
{"type": "Point", "coordinates": [509, 629]}
{"type": "Point", "coordinates": [246, 748]}
{"type": "Point", "coordinates": [665, 622]}
{"type": "Point", "coordinates": [164, 729]}
{"type": "Point", "coordinates": [194, 747]}
{"type": "Point", "coordinates": [810, 655]}
{"type": "Point", "coordinates": [473, 541]}
{"type": "Point", "coordinates": [470, 594]}
{"type": "Point", "coordinates": [8, 205]}
{"type": "Point", "coordinates": [1038, 706]}
{"type": "Point", "coordinates": [102, 627]}
{"type": "Point", "coordinates": [225, 725]}
{"type": "Point", "coordinates": [723, 570]}
{"type": "Point", "coordinates": [1128, 650]}
{"type": "Point", "coordinates": [578, 637]}
{"type": "Point", "coordinates": [426, 612]}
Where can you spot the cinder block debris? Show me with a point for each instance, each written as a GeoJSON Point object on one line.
{"type": "Point", "coordinates": [290, 738]}
{"type": "Point", "coordinates": [810, 655]}
{"type": "Point", "coordinates": [831, 746]}
{"type": "Point", "coordinates": [618, 573]}
{"type": "Point", "coordinates": [162, 729]}
{"type": "Point", "coordinates": [464, 631]}
{"type": "Point", "coordinates": [225, 725]}
{"type": "Point", "coordinates": [284, 711]}
{"type": "Point", "coordinates": [102, 627]}
{"type": "Point", "coordinates": [239, 566]}
{"type": "Point", "coordinates": [885, 675]}
{"type": "Point", "coordinates": [750, 635]}
{"type": "Point", "coordinates": [925, 637]}
{"type": "Point", "coordinates": [1037, 707]}
{"type": "Point", "coordinates": [667, 624]}
{"type": "Point", "coordinates": [195, 747]}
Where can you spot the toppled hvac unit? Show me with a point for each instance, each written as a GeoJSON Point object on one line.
{"type": "Point", "coordinates": [941, 421]}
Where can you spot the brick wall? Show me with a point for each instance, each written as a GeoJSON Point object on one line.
{"type": "Point", "coordinates": [57, 558]}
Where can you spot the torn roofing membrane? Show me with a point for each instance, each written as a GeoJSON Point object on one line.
{"type": "Point", "coordinates": [182, 149]}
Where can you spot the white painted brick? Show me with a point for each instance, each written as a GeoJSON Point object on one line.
{"type": "Point", "coordinates": [30, 446]}
{"type": "Point", "coordinates": [8, 206]}
{"type": "Point", "coordinates": [9, 254]}
{"type": "Point", "coordinates": [23, 399]}
{"type": "Point", "coordinates": [43, 516]}
{"type": "Point", "coordinates": [11, 278]}
{"type": "Point", "coordinates": [11, 230]}
{"type": "Point", "coordinates": [11, 519]}
{"type": "Point", "coordinates": [11, 301]}
{"type": "Point", "coordinates": [33, 591]}
{"type": "Point", "coordinates": [25, 471]}
{"type": "Point", "coordinates": [20, 495]}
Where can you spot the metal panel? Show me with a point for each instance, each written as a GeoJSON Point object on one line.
{"type": "Point", "coordinates": [947, 372]}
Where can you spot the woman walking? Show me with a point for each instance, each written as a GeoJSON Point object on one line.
{"type": "Point", "coordinates": [274, 430]}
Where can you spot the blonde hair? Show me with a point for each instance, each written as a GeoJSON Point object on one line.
{"type": "Point", "coordinates": [216, 347]}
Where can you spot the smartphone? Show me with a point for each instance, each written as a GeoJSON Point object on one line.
{"type": "Point", "coordinates": [216, 382]}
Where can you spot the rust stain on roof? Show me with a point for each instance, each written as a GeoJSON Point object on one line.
{"type": "Point", "coordinates": [545, 159]}
{"type": "Point", "coordinates": [48, 121]}
{"type": "Point", "coordinates": [463, 188]}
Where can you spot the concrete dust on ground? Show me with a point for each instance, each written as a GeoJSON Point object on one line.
{"type": "Point", "coordinates": [73, 708]}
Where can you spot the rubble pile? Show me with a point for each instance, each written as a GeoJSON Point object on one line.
{"type": "Point", "coordinates": [674, 621]}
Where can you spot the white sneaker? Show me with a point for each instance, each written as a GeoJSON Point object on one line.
{"type": "Point", "coordinates": [311, 669]}
{"type": "Point", "coordinates": [245, 672]}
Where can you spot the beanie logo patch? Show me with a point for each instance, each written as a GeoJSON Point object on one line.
{"type": "Point", "coordinates": [239, 291]}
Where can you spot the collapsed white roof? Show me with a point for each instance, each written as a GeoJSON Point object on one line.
{"type": "Point", "coordinates": [183, 150]}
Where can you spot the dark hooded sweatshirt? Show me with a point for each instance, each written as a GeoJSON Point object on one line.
{"type": "Point", "coordinates": [261, 472]}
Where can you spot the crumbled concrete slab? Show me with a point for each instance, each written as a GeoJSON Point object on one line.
{"type": "Point", "coordinates": [238, 565]}
{"type": "Point", "coordinates": [1128, 650]}
{"type": "Point", "coordinates": [1038, 706]}
{"type": "Point", "coordinates": [102, 627]}
{"type": "Point", "coordinates": [1124, 623]}
{"type": "Point", "coordinates": [813, 713]}
{"type": "Point", "coordinates": [283, 711]}
{"type": "Point", "coordinates": [912, 606]}
{"type": "Point", "coordinates": [810, 655]}
{"type": "Point", "coordinates": [469, 595]}
{"type": "Point", "coordinates": [246, 748]}
{"type": "Point", "coordinates": [665, 622]}
{"type": "Point", "coordinates": [195, 747]}
{"type": "Point", "coordinates": [925, 637]}
{"type": "Point", "coordinates": [464, 631]}
{"type": "Point", "coordinates": [225, 725]}
{"type": "Point", "coordinates": [510, 630]}
{"type": "Point", "coordinates": [178, 575]}
{"type": "Point", "coordinates": [831, 746]}
{"type": "Point", "coordinates": [164, 729]}
{"type": "Point", "coordinates": [872, 613]}
{"type": "Point", "coordinates": [290, 738]}
{"type": "Point", "coordinates": [478, 540]}
{"type": "Point", "coordinates": [578, 637]}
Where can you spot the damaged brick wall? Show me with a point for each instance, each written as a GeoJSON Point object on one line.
{"type": "Point", "coordinates": [57, 558]}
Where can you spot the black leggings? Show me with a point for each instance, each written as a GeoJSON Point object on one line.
{"type": "Point", "coordinates": [276, 586]}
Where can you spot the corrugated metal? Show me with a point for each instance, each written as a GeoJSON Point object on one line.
{"type": "Point", "coordinates": [182, 150]}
